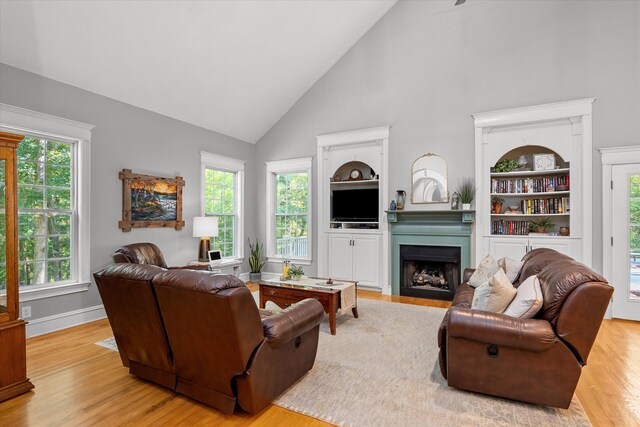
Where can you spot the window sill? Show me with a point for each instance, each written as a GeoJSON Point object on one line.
{"type": "Point", "coordinates": [299, 261]}
{"type": "Point", "coordinates": [48, 291]}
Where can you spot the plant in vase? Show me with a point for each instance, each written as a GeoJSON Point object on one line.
{"type": "Point", "coordinates": [295, 272]}
{"type": "Point", "coordinates": [543, 225]}
{"type": "Point", "coordinates": [496, 204]}
{"type": "Point", "coordinates": [255, 261]}
{"type": "Point", "coordinates": [467, 191]}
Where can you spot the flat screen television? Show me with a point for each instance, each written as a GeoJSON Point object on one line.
{"type": "Point", "coordinates": [355, 205]}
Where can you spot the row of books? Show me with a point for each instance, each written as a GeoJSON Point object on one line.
{"type": "Point", "coordinates": [545, 206]}
{"type": "Point", "coordinates": [510, 227]}
{"type": "Point", "coordinates": [530, 185]}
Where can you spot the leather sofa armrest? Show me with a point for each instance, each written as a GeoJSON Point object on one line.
{"type": "Point", "coordinates": [292, 322]}
{"type": "Point", "coordinates": [468, 272]}
{"type": "Point", "coordinates": [493, 328]}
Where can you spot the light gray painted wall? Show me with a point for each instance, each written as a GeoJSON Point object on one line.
{"type": "Point", "coordinates": [427, 65]}
{"type": "Point", "coordinates": [133, 138]}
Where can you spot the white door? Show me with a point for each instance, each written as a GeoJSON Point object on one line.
{"type": "Point", "coordinates": [626, 241]}
{"type": "Point", "coordinates": [340, 256]}
{"type": "Point", "coordinates": [366, 260]}
{"type": "Point", "coordinates": [507, 247]}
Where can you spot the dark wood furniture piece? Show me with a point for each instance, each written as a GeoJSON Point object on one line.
{"type": "Point", "coordinates": [284, 295]}
{"type": "Point", "coordinates": [13, 355]}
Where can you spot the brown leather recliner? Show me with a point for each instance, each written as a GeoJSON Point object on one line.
{"type": "Point", "coordinates": [147, 253]}
{"type": "Point", "coordinates": [130, 302]}
{"type": "Point", "coordinates": [533, 360]}
{"type": "Point", "coordinates": [201, 334]}
{"type": "Point", "coordinates": [222, 351]}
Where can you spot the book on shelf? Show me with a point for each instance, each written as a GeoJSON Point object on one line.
{"type": "Point", "coordinates": [556, 205]}
{"type": "Point", "coordinates": [529, 185]}
{"type": "Point", "coordinates": [502, 227]}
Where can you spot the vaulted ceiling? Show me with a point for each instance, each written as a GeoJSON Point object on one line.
{"type": "Point", "coordinates": [234, 67]}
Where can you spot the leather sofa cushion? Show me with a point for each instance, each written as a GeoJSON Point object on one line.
{"type": "Point", "coordinates": [197, 281]}
{"type": "Point", "coordinates": [141, 253]}
{"type": "Point", "coordinates": [558, 279]}
{"type": "Point", "coordinates": [536, 260]}
{"type": "Point", "coordinates": [140, 272]}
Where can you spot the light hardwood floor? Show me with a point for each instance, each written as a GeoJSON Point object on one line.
{"type": "Point", "coordinates": [79, 384]}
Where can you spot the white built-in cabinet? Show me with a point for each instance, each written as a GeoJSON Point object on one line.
{"type": "Point", "coordinates": [562, 130]}
{"type": "Point", "coordinates": [354, 250]}
{"type": "Point", "coordinates": [354, 257]}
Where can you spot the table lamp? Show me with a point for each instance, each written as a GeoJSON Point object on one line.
{"type": "Point", "coordinates": [205, 227]}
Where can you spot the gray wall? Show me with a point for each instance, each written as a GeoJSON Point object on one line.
{"type": "Point", "coordinates": [426, 66]}
{"type": "Point", "coordinates": [133, 138]}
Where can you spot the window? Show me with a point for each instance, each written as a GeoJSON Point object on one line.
{"type": "Point", "coordinates": [46, 211]}
{"type": "Point", "coordinates": [53, 203]}
{"type": "Point", "coordinates": [289, 210]}
{"type": "Point", "coordinates": [222, 192]}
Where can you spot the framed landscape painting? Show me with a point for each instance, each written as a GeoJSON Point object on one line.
{"type": "Point", "coordinates": [150, 201]}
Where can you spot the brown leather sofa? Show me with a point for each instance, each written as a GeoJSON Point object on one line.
{"type": "Point", "coordinates": [532, 360]}
{"type": "Point", "coordinates": [201, 335]}
{"type": "Point", "coordinates": [146, 253]}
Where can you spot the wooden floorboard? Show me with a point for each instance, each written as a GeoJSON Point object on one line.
{"type": "Point", "coordinates": [80, 384]}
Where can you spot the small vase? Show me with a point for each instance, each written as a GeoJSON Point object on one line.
{"type": "Point", "coordinates": [294, 278]}
{"type": "Point", "coordinates": [255, 277]}
{"type": "Point", "coordinates": [466, 206]}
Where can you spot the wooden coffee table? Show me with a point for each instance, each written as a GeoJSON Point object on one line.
{"type": "Point", "coordinates": [284, 295]}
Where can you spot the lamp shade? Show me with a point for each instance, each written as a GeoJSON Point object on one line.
{"type": "Point", "coordinates": [205, 226]}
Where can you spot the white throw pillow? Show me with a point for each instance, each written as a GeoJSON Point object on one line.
{"type": "Point", "coordinates": [511, 267]}
{"type": "Point", "coordinates": [528, 299]}
{"type": "Point", "coordinates": [494, 295]}
{"type": "Point", "coordinates": [486, 269]}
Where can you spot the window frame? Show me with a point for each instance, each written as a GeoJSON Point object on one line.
{"type": "Point", "coordinates": [297, 165]}
{"type": "Point", "coordinates": [52, 128]}
{"type": "Point", "coordinates": [227, 164]}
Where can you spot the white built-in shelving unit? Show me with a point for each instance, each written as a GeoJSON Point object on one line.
{"type": "Point", "coordinates": [562, 194]}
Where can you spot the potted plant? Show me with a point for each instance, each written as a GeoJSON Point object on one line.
{"type": "Point", "coordinates": [543, 225]}
{"type": "Point", "coordinates": [496, 204]}
{"type": "Point", "coordinates": [255, 261]}
{"type": "Point", "coordinates": [467, 191]}
{"type": "Point", "coordinates": [505, 165]}
{"type": "Point", "coordinates": [296, 272]}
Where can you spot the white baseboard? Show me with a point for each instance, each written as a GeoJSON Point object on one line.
{"type": "Point", "coordinates": [44, 325]}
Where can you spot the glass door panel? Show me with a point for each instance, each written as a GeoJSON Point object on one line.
{"type": "Point", "coordinates": [634, 238]}
{"type": "Point", "coordinates": [3, 239]}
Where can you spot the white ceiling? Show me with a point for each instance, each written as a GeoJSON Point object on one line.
{"type": "Point", "coordinates": [234, 67]}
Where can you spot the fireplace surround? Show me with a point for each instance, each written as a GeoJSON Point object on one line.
{"type": "Point", "coordinates": [429, 252]}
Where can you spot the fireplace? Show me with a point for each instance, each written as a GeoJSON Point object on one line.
{"type": "Point", "coordinates": [429, 250]}
{"type": "Point", "coordinates": [429, 271]}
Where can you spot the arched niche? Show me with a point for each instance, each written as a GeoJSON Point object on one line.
{"type": "Point", "coordinates": [524, 156]}
{"type": "Point", "coordinates": [343, 172]}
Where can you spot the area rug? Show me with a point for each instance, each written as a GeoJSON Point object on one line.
{"type": "Point", "coordinates": [382, 370]}
{"type": "Point", "coordinates": [109, 343]}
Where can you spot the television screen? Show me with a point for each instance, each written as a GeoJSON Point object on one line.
{"type": "Point", "coordinates": [359, 205]}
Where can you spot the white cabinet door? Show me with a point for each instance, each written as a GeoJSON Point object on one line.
{"type": "Point", "coordinates": [366, 260]}
{"type": "Point", "coordinates": [564, 247]}
{"type": "Point", "coordinates": [340, 256]}
{"type": "Point", "coordinates": [512, 248]}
